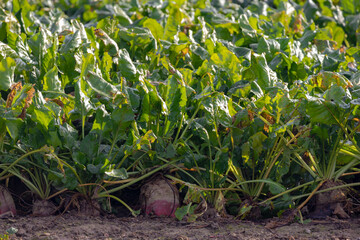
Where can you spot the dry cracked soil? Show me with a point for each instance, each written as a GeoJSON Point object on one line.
{"type": "Point", "coordinates": [70, 226]}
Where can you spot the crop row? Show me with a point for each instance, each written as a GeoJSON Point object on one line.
{"type": "Point", "coordinates": [242, 105]}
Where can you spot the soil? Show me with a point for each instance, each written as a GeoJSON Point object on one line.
{"type": "Point", "coordinates": [70, 226]}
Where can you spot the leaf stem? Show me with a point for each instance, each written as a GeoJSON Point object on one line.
{"type": "Point", "coordinates": [137, 179]}
{"type": "Point", "coordinates": [43, 149]}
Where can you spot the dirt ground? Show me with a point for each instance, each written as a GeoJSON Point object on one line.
{"type": "Point", "coordinates": [68, 226]}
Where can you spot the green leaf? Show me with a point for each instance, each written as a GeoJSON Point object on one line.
{"type": "Point", "coordinates": [325, 80]}
{"type": "Point", "coordinates": [51, 81]}
{"type": "Point", "coordinates": [7, 69]}
{"type": "Point", "coordinates": [249, 33]}
{"type": "Point", "coordinates": [13, 127]}
{"type": "Point", "coordinates": [133, 95]}
{"type": "Point", "coordinates": [42, 116]}
{"type": "Point", "coordinates": [83, 103]}
{"type": "Point", "coordinates": [145, 108]}
{"type": "Point", "coordinates": [121, 119]}
{"type": "Point", "coordinates": [181, 212]}
{"type": "Point", "coordinates": [89, 146]}
{"type": "Point", "coordinates": [348, 153]}
{"type": "Point", "coordinates": [39, 43]}
{"type": "Point", "coordinates": [176, 98]}
{"type": "Point", "coordinates": [89, 14]}
{"type": "Point", "coordinates": [201, 131]}
{"type": "Point", "coordinates": [99, 85]}
{"type": "Point", "coordinates": [69, 135]}
{"type": "Point", "coordinates": [335, 94]}
{"type": "Point", "coordinates": [227, 61]}
{"type": "Point", "coordinates": [128, 69]}
{"type": "Point", "coordinates": [172, 23]}
{"type": "Point", "coordinates": [268, 46]}
{"type": "Point", "coordinates": [67, 64]}
{"type": "Point", "coordinates": [71, 42]}
{"type": "Point", "coordinates": [308, 36]}
{"type": "Point", "coordinates": [321, 111]}
{"type": "Point", "coordinates": [88, 62]}
{"type": "Point", "coordinates": [7, 51]}
{"type": "Point", "coordinates": [283, 166]}
{"type": "Point", "coordinates": [257, 142]}
{"type": "Point", "coordinates": [147, 139]}
{"type": "Point", "coordinates": [218, 109]}
{"type": "Point", "coordinates": [110, 45]}
{"type": "Point", "coordinates": [141, 40]}
{"type": "Point", "coordinates": [157, 103]}
{"type": "Point", "coordinates": [261, 72]}
{"type": "Point", "coordinates": [338, 34]}
{"type": "Point", "coordinates": [118, 173]}
{"type": "Point", "coordinates": [49, 59]}
{"type": "Point", "coordinates": [80, 158]}
{"type": "Point", "coordinates": [274, 187]}
{"type": "Point", "coordinates": [266, 76]}
{"type": "Point", "coordinates": [170, 151]}
{"type": "Point", "coordinates": [123, 114]}
{"type": "Point", "coordinates": [105, 66]}
{"type": "Point", "coordinates": [53, 136]}
{"type": "Point", "coordinates": [310, 8]}
{"type": "Point", "coordinates": [256, 89]}
{"type": "Point", "coordinates": [102, 118]}
{"type": "Point", "coordinates": [321, 132]}
{"type": "Point", "coordinates": [94, 169]}
{"type": "Point", "coordinates": [155, 28]}
{"type": "Point", "coordinates": [115, 11]}
{"type": "Point", "coordinates": [350, 6]}
{"type": "Point", "coordinates": [70, 181]}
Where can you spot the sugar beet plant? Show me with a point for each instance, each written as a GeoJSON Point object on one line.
{"type": "Point", "coordinates": [249, 104]}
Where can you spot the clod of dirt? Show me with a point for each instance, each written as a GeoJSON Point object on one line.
{"type": "Point", "coordinates": [159, 197]}
{"type": "Point", "coordinates": [43, 208]}
{"type": "Point", "coordinates": [330, 203]}
{"type": "Point", "coordinates": [287, 217]}
{"type": "Point", "coordinates": [6, 202]}
{"type": "Point", "coordinates": [210, 213]}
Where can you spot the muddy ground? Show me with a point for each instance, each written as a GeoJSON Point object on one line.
{"type": "Point", "coordinates": [69, 226]}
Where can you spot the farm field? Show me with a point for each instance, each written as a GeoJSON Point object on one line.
{"type": "Point", "coordinates": [179, 119]}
